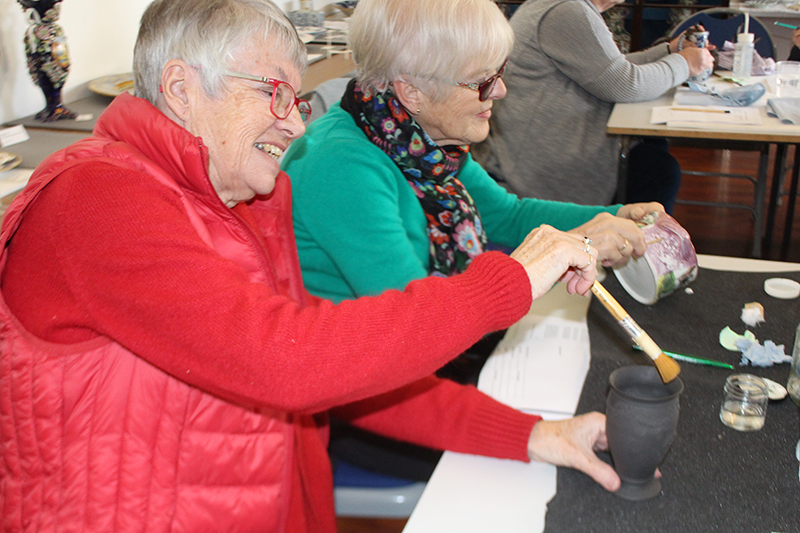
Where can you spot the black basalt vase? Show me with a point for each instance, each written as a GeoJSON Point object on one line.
{"type": "Point", "coordinates": [641, 423]}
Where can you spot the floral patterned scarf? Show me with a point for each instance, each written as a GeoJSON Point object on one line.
{"type": "Point", "coordinates": [454, 224]}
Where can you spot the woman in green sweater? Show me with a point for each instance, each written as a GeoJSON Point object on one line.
{"type": "Point", "coordinates": [384, 188]}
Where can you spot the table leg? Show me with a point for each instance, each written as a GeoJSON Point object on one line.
{"type": "Point", "coordinates": [775, 194]}
{"type": "Point", "coordinates": [760, 197]}
{"type": "Point", "coordinates": [787, 230]}
{"type": "Point", "coordinates": [622, 169]}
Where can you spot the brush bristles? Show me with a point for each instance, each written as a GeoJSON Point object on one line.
{"type": "Point", "coordinates": [668, 369]}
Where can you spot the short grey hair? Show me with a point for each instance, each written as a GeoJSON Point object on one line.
{"type": "Point", "coordinates": [425, 41]}
{"type": "Point", "coordinates": [207, 33]}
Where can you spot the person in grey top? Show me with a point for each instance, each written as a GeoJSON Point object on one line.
{"type": "Point", "coordinates": [565, 73]}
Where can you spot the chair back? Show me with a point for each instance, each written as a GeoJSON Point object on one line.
{"type": "Point", "coordinates": [723, 24]}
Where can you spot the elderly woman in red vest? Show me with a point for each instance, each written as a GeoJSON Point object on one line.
{"type": "Point", "coordinates": [162, 367]}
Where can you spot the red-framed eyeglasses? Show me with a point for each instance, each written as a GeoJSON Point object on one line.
{"type": "Point", "coordinates": [283, 96]}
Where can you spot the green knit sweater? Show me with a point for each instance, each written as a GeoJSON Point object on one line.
{"type": "Point", "coordinates": [360, 229]}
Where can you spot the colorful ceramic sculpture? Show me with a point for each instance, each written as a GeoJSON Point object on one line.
{"type": "Point", "coordinates": [48, 57]}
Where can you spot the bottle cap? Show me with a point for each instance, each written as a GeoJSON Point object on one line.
{"type": "Point", "coordinates": [748, 38]}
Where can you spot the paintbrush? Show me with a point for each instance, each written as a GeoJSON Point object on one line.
{"type": "Point", "coordinates": [668, 369]}
{"type": "Point", "coordinates": [691, 359]}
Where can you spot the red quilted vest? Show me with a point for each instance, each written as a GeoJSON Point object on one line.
{"type": "Point", "coordinates": [94, 438]}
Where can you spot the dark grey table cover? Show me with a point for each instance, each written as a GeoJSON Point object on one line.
{"type": "Point", "coordinates": [41, 144]}
{"type": "Point", "coordinates": [94, 105]}
{"type": "Point", "coordinates": [714, 478]}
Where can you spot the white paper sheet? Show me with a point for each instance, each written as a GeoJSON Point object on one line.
{"type": "Point", "coordinates": [551, 341]}
{"type": "Point", "coordinates": [472, 494]}
{"type": "Point", "coordinates": [698, 116]}
{"type": "Point", "coordinates": [521, 491]}
{"type": "Point", "coordinates": [13, 135]}
{"type": "Point", "coordinates": [14, 180]}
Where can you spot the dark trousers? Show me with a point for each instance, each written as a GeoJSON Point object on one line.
{"type": "Point", "coordinates": [653, 174]}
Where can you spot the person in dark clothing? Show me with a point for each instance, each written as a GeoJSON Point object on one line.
{"type": "Point", "coordinates": [794, 55]}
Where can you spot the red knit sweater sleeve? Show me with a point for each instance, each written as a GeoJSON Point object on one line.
{"type": "Point", "coordinates": [441, 414]}
{"type": "Point", "coordinates": [106, 251]}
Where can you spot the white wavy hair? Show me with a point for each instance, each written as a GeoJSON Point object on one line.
{"type": "Point", "coordinates": [207, 33]}
{"type": "Point", "coordinates": [425, 41]}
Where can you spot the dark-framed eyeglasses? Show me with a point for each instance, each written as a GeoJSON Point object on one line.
{"type": "Point", "coordinates": [283, 96]}
{"type": "Point", "coordinates": [484, 88]}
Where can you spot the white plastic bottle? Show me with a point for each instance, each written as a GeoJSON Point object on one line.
{"type": "Point", "coordinates": [743, 56]}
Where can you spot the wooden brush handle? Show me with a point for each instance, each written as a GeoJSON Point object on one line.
{"type": "Point", "coordinates": [609, 302]}
{"type": "Point", "coordinates": [628, 324]}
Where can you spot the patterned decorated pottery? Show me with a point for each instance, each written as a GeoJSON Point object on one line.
{"type": "Point", "coordinates": [48, 57]}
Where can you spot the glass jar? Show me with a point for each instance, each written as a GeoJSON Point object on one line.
{"type": "Point", "coordinates": [744, 405]}
{"type": "Point", "coordinates": [793, 386]}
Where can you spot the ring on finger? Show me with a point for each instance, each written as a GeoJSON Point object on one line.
{"type": "Point", "coordinates": [587, 265]}
{"type": "Point", "coordinates": [587, 242]}
{"type": "Point", "coordinates": [624, 246]}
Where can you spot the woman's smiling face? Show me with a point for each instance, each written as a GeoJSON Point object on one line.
{"type": "Point", "coordinates": [244, 138]}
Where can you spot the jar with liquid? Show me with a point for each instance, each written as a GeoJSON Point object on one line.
{"type": "Point", "coordinates": [744, 405]}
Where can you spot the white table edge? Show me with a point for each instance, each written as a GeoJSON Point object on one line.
{"type": "Point", "coordinates": [741, 264]}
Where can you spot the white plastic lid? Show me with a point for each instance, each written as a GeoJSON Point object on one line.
{"type": "Point", "coordinates": [783, 288]}
{"type": "Point", "coordinates": [748, 38]}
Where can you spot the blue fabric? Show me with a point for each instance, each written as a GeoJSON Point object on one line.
{"type": "Point", "coordinates": [736, 97]}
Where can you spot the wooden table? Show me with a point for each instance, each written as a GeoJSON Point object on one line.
{"type": "Point", "coordinates": [633, 120]}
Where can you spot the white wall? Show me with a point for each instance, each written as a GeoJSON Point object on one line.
{"type": "Point", "coordinates": [100, 36]}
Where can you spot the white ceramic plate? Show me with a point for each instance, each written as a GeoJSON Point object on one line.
{"type": "Point", "coordinates": [113, 85]}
